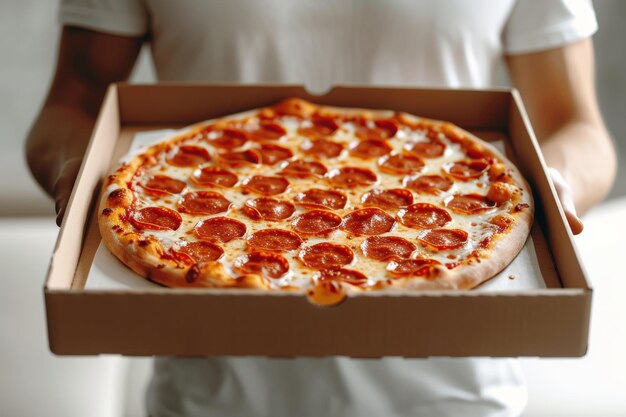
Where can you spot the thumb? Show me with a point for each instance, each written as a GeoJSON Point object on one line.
{"type": "Point", "coordinates": [63, 186]}
{"type": "Point", "coordinates": [564, 191]}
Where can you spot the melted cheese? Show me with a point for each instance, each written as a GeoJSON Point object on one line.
{"type": "Point", "coordinates": [298, 274]}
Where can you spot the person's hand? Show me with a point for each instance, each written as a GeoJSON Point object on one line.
{"type": "Point", "coordinates": [88, 61]}
{"type": "Point", "coordinates": [63, 186]}
{"type": "Point", "coordinates": [564, 191]}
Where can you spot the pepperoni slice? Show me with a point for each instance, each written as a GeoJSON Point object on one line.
{"type": "Point", "coordinates": [268, 209]}
{"type": "Point", "coordinates": [467, 169]}
{"type": "Point", "coordinates": [203, 202]}
{"type": "Point", "coordinates": [316, 222]}
{"type": "Point", "coordinates": [269, 264]}
{"type": "Point", "coordinates": [424, 216]}
{"type": "Point", "coordinates": [429, 184]}
{"type": "Point", "coordinates": [470, 204]}
{"type": "Point", "coordinates": [156, 218]}
{"type": "Point", "coordinates": [322, 148]}
{"type": "Point", "coordinates": [271, 154]}
{"type": "Point", "coordinates": [268, 131]}
{"type": "Point", "coordinates": [202, 252]}
{"type": "Point", "coordinates": [378, 129]}
{"type": "Point", "coordinates": [335, 200]}
{"type": "Point", "coordinates": [322, 126]}
{"type": "Point", "coordinates": [275, 239]}
{"type": "Point", "coordinates": [384, 247]}
{"type": "Point", "coordinates": [240, 158]}
{"type": "Point", "coordinates": [164, 184]}
{"type": "Point", "coordinates": [370, 148]}
{"type": "Point", "coordinates": [420, 267]}
{"type": "Point", "coordinates": [351, 176]}
{"type": "Point", "coordinates": [428, 149]}
{"type": "Point", "coordinates": [214, 176]}
{"type": "Point", "coordinates": [300, 168]}
{"type": "Point", "coordinates": [388, 199]}
{"type": "Point", "coordinates": [400, 164]}
{"type": "Point", "coordinates": [341, 274]}
{"type": "Point", "coordinates": [220, 228]}
{"type": "Point", "coordinates": [325, 125]}
{"type": "Point", "coordinates": [326, 255]}
{"type": "Point", "coordinates": [189, 156]}
{"type": "Point", "coordinates": [228, 138]}
{"type": "Point", "coordinates": [442, 239]}
{"type": "Point", "coordinates": [266, 185]}
{"type": "Point", "coordinates": [368, 221]}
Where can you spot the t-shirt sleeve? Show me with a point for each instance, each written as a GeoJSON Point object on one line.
{"type": "Point", "coordinates": [536, 25]}
{"type": "Point", "coordinates": [119, 17]}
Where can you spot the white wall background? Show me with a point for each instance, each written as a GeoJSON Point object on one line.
{"type": "Point", "coordinates": [33, 382]}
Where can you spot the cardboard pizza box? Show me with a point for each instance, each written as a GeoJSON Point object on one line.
{"type": "Point", "coordinates": [551, 321]}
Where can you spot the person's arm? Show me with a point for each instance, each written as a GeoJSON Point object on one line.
{"type": "Point", "coordinates": [87, 63]}
{"type": "Point", "coordinates": [558, 90]}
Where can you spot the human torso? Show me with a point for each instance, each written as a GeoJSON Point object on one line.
{"type": "Point", "coordinates": [450, 43]}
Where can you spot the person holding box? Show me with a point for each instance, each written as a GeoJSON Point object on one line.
{"type": "Point", "coordinates": [543, 48]}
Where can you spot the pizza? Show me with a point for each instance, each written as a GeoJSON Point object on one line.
{"type": "Point", "coordinates": [323, 201]}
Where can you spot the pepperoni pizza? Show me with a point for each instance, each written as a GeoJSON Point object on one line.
{"type": "Point", "coordinates": [324, 201]}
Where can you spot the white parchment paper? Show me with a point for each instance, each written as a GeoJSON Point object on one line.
{"type": "Point", "coordinates": [107, 272]}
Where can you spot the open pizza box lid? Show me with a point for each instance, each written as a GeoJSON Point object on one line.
{"type": "Point", "coordinates": [82, 320]}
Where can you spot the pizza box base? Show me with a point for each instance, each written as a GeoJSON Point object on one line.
{"type": "Point", "coordinates": [548, 322]}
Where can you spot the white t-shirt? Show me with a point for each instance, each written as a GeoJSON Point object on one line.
{"type": "Point", "coordinates": [451, 43]}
